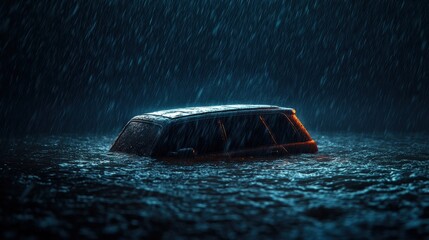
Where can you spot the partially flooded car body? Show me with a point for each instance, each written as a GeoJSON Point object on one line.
{"type": "Point", "coordinates": [216, 132]}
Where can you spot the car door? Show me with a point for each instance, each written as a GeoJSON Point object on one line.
{"type": "Point", "coordinates": [201, 137]}
{"type": "Point", "coordinates": [247, 136]}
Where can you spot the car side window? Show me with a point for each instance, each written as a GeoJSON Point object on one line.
{"type": "Point", "coordinates": [245, 132]}
{"type": "Point", "coordinates": [137, 138]}
{"type": "Point", "coordinates": [204, 136]}
{"type": "Point", "coordinates": [282, 129]}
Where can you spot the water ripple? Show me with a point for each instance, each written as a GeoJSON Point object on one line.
{"type": "Point", "coordinates": [68, 186]}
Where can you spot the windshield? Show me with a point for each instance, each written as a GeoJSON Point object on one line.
{"type": "Point", "coordinates": [137, 138]}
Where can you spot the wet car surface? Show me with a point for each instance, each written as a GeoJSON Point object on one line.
{"type": "Point", "coordinates": [224, 131]}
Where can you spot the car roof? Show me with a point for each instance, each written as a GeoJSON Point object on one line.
{"type": "Point", "coordinates": [190, 111]}
{"type": "Point", "coordinates": [178, 113]}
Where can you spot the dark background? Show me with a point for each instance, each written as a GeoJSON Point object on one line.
{"type": "Point", "coordinates": [89, 66]}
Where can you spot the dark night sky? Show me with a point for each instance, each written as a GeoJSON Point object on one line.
{"type": "Point", "coordinates": [88, 66]}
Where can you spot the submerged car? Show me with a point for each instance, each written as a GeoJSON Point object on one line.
{"type": "Point", "coordinates": [216, 132]}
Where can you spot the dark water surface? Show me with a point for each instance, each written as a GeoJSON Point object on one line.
{"type": "Point", "coordinates": [357, 186]}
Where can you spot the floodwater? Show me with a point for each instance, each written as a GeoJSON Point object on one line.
{"type": "Point", "coordinates": [357, 186]}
